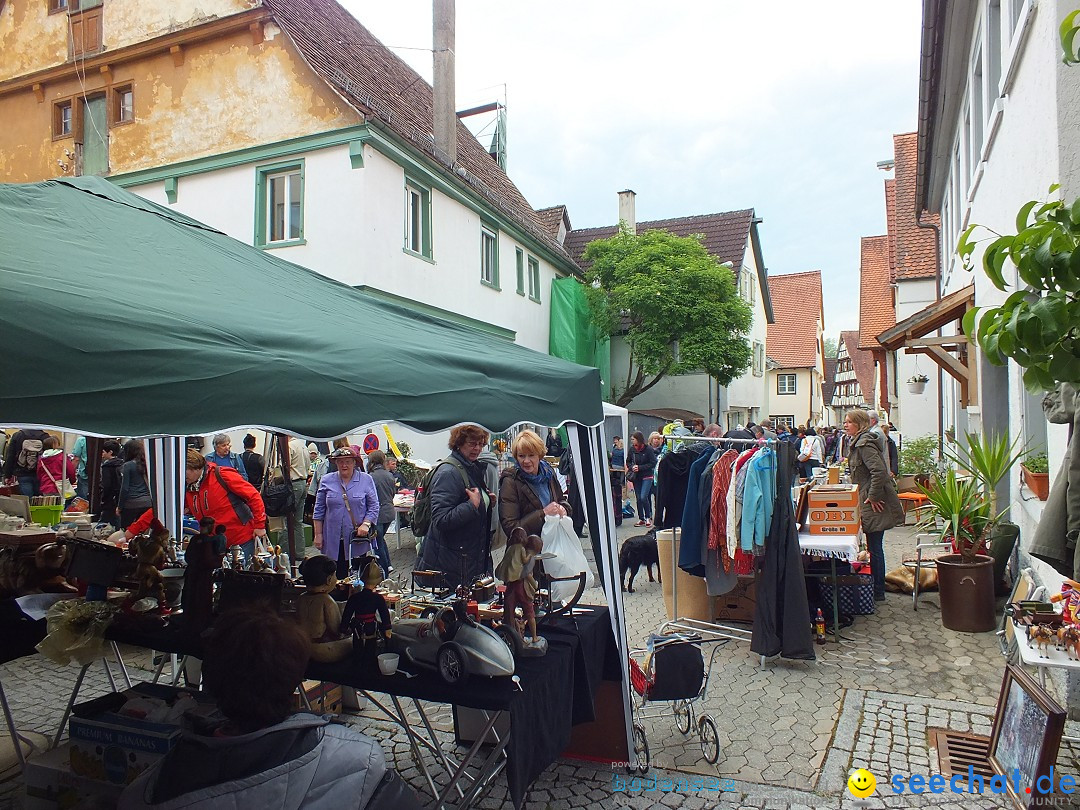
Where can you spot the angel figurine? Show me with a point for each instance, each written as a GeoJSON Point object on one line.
{"type": "Point", "coordinates": [516, 570]}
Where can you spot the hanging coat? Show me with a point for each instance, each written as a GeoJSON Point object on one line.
{"type": "Point", "coordinates": [1056, 536]}
{"type": "Point", "coordinates": [782, 613]}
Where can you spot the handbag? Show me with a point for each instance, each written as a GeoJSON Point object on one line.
{"type": "Point", "coordinates": [277, 491]}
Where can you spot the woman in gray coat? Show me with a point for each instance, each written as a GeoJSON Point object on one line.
{"type": "Point", "coordinates": [881, 507]}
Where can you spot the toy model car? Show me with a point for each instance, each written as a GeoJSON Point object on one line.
{"type": "Point", "coordinates": [453, 644]}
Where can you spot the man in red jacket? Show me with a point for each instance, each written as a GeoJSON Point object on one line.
{"type": "Point", "coordinates": [226, 496]}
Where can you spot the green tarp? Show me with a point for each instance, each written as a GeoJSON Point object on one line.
{"type": "Point", "coordinates": [572, 335]}
{"type": "Point", "coordinates": [121, 317]}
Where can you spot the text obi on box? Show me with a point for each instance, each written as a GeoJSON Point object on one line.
{"type": "Point", "coordinates": [834, 509]}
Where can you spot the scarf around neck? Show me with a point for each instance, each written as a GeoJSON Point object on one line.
{"type": "Point", "coordinates": [540, 482]}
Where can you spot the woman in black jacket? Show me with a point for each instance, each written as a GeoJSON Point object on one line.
{"type": "Point", "coordinates": [110, 481]}
{"type": "Point", "coordinates": [640, 464]}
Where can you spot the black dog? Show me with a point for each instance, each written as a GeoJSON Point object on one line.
{"type": "Point", "coordinates": [635, 552]}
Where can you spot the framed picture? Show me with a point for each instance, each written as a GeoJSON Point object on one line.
{"type": "Point", "coordinates": [1027, 732]}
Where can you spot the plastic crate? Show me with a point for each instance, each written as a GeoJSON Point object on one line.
{"type": "Point", "coordinates": [46, 515]}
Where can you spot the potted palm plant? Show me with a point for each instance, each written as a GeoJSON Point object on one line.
{"type": "Point", "coordinates": [1037, 475]}
{"type": "Point", "coordinates": [960, 514]}
{"type": "Point", "coordinates": [990, 460]}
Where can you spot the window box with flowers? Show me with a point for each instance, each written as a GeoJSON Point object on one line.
{"type": "Point", "coordinates": [917, 383]}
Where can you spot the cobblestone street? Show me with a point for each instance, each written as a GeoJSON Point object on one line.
{"type": "Point", "coordinates": [790, 733]}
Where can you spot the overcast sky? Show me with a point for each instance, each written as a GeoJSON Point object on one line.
{"type": "Point", "coordinates": [699, 107]}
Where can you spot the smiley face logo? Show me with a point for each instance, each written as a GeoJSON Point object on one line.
{"type": "Point", "coordinates": [861, 783]}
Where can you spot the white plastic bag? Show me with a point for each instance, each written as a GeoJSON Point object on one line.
{"type": "Point", "coordinates": [569, 561]}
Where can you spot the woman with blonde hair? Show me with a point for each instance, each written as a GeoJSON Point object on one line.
{"type": "Point", "coordinates": [529, 490]}
{"type": "Point", "coordinates": [881, 507]}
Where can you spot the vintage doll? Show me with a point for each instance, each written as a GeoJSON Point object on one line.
{"type": "Point", "coordinates": [366, 613]}
{"type": "Point", "coordinates": [516, 570]}
{"type": "Point", "coordinates": [204, 554]}
{"type": "Point", "coordinates": [151, 555]}
{"type": "Point", "coordinates": [319, 614]}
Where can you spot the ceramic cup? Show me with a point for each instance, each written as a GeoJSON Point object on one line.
{"type": "Point", "coordinates": [388, 663]}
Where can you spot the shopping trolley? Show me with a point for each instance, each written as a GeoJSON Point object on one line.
{"type": "Point", "coordinates": [672, 670]}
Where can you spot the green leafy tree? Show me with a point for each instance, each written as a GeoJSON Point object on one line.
{"type": "Point", "coordinates": [673, 302]}
{"type": "Point", "coordinates": [832, 347]}
{"type": "Point", "coordinates": [1038, 326]}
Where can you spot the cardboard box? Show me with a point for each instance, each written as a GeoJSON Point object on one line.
{"type": "Point", "coordinates": [116, 749]}
{"type": "Point", "coordinates": [737, 605]}
{"type": "Point", "coordinates": [325, 698]}
{"type": "Point", "coordinates": [834, 509]}
{"type": "Point", "coordinates": [51, 785]}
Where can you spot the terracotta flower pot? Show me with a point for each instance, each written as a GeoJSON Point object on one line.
{"type": "Point", "coordinates": [1038, 483]}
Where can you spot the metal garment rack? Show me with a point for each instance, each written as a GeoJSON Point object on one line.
{"type": "Point", "coordinates": [711, 629]}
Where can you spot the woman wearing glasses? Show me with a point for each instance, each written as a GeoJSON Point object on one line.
{"type": "Point", "coordinates": [458, 543]}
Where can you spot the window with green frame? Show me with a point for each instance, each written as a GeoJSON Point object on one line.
{"type": "Point", "coordinates": [489, 256]}
{"type": "Point", "coordinates": [417, 219]}
{"type": "Point", "coordinates": [279, 204]}
{"type": "Point", "coordinates": [520, 256]}
{"type": "Point", "coordinates": [534, 279]}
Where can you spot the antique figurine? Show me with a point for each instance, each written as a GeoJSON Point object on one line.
{"type": "Point", "coordinates": [319, 614]}
{"type": "Point", "coordinates": [367, 615]}
{"type": "Point", "coordinates": [203, 556]}
{"type": "Point", "coordinates": [1040, 636]}
{"type": "Point", "coordinates": [151, 555]}
{"type": "Point", "coordinates": [516, 570]}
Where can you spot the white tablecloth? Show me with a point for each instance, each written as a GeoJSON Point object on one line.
{"type": "Point", "coordinates": [840, 546]}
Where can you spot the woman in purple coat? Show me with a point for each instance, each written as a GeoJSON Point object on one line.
{"type": "Point", "coordinates": [346, 511]}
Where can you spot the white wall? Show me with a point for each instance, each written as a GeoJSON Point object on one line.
{"type": "Point", "coordinates": [354, 231]}
{"type": "Point", "coordinates": [915, 414]}
{"type": "Point", "coordinates": [749, 391]}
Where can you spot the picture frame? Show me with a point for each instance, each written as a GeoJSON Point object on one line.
{"type": "Point", "coordinates": [1026, 735]}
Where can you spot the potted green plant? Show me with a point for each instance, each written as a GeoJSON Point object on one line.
{"type": "Point", "coordinates": [917, 383]}
{"type": "Point", "coordinates": [1037, 474]}
{"type": "Point", "coordinates": [917, 463]}
{"type": "Point", "coordinates": [990, 459]}
{"type": "Point", "coordinates": [960, 514]}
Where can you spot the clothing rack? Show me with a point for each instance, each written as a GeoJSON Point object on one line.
{"type": "Point", "coordinates": [712, 629]}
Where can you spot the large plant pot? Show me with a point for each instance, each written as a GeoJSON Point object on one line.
{"type": "Point", "coordinates": [967, 593]}
{"type": "Point", "coordinates": [1038, 483]}
{"type": "Point", "coordinates": [1002, 541]}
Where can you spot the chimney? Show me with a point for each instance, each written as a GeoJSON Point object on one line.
{"type": "Point", "coordinates": [626, 210]}
{"type": "Point", "coordinates": [444, 123]}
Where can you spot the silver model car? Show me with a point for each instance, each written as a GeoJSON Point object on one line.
{"type": "Point", "coordinates": [453, 644]}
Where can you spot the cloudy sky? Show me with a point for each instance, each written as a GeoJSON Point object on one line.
{"type": "Point", "coordinates": [701, 106]}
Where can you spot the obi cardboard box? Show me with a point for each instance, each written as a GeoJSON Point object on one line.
{"type": "Point", "coordinates": [52, 785]}
{"type": "Point", "coordinates": [834, 509]}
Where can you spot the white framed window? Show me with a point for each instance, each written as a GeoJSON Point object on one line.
{"type": "Point", "coordinates": [978, 107]}
{"type": "Point", "coordinates": [280, 200]}
{"type": "Point", "coordinates": [993, 52]}
{"type": "Point", "coordinates": [489, 256]}
{"type": "Point", "coordinates": [519, 259]}
{"type": "Point", "coordinates": [534, 279]}
{"type": "Point", "coordinates": [417, 219]}
{"type": "Point", "coordinates": [785, 383]}
{"type": "Point", "coordinates": [788, 420]}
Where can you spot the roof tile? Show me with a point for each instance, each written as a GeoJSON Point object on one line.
{"type": "Point", "coordinates": [862, 362]}
{"type": "Point", "coordinates": [383, 87]}
{"type": "Point", "coordinates": [828, 385]}
{"type": "Point", "coordinates": [877, 311]}
{"type": "Point", "coordinates": [792, 338]}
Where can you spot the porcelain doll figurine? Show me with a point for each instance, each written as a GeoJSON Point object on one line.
{"type": "Point", "coordinates": [516, 570]}
{"type": "Point", "coordinates": [319, 614]}
{"type": "Point", "coordinates": [367, 615]}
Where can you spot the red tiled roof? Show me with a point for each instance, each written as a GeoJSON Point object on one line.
{"type": "Point", "coordinates": [551, 218]}
{"type": "Point", "coordinates": [792, 338]}
{"type": "Point", "coordinates": [916, 248]}
{"type": "Point", "coordinates": [394, 96]}
{"type": "Point", "coordinates": [727, 235]}
{"type": "Point", "coordinates": [890, 221]}
{"type": "Point", "coordinates": [828, 385]}
{"type": "Point", "coordinates": [877, 312]}
{"type": "Point", "coordinates": [862, 362]}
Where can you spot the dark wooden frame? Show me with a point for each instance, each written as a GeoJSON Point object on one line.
{"type": "Point", "coordinates": [1051, 733]}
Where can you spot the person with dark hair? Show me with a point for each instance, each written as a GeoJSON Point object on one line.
{"type": "Point", "coordinates": [458, 542]}
{"type": "Point", "coordinates": [54, 467]}
{"type": "Point", "coordinates": [110, 481]}
{"type": "Point", "coordinates": [641, 463]}
{"type": "Point", "coordinates": [134, 498]}
{"type": "Point", "coordinates": [385, 487]}
{"type": "Point", "coordinates": [21, 458]}
{"type": "Point", "coordinates": [253, 463]}
{"type": "Point", "coordinates": [265, 756]}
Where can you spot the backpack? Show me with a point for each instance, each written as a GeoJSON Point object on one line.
{"type": "Point", "coordinates": [420, 516]}
{"type": "Point", "coordinates": [29, 454]}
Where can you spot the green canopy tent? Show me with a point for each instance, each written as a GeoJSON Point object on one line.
{"type": "Point", "coordinates": [108, 330]}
